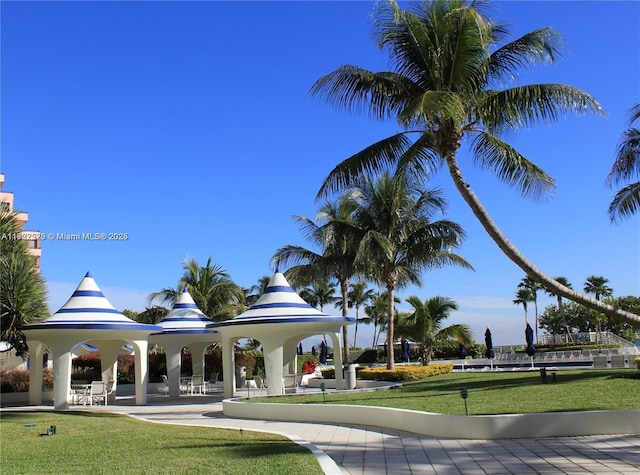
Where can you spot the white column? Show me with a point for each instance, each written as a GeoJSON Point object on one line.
{"type": "Point", "coordinates": [61, 376]}
{"type": "Point", "coordinates": [173, 354]}
{"type": "Point", "coordinates": [337, 359]}
{"type": "Point", "coordinates": [229, 366]}
{"type": "Point", "coordinates": [197, 357]}
{"type": "Point", "coordinates": [273, 365]}
{"type": "Point", "coordinates": [141, 348]}
{"type": "Point", "coordinates": [36, 352]}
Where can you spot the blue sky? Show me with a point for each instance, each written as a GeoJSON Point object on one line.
{"type": "Point", "coordinates": [189, 126]}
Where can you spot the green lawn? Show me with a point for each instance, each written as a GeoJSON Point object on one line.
{"type": "Point", "coordinates": [104, 443]}
{"type": "Point", "coordinates": [500, 393]}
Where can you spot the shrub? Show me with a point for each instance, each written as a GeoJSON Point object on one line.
{"type": "Point", "coordinates": [405, 373]}
{"type": "Point", "coordinates": [17, 380]}
{"type": "Point", "coordinates": [309, 366]}
{"type": "Point", "coordinates": [638, 363]}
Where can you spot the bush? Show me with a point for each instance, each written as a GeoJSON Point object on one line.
{"type": "Point", "coordinates": [638, 363]}
{"type": "Point", "coordinates": [405, 373]}
{"type": "Point", "coordinates": [15, 380]}
{"type": "Point", "coordinates": [309, 366]}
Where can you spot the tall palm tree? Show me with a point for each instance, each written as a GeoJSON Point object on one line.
{"type": "Point", "coordinates": [523, 297]}
{"type": "Point", "coordinates": [253, 293]}
{"type": "Point", "coordinates": [359, 295]}
{"type": "Point", "coordinates": [22, 289]}
{"type": "Point", "coordinates": [336, 238]}
{"type": "Point", "coordinates": [425, 324]}
{"type": "Point", "coordinates": [377, 312]}
{"type": "Point", "coordinates": [565, 282]}
{"type": "Point", "coordinates": [211, 288]}
{"type": "Point", "coordinates": [400, 238]}
{"type": "Point", "coordinates": [533, 286]}
{"type": "Point", "coordinates": [626, 167]}
{"type": "Point", "coordinates": [597, 285]}
{"type": "Point", "coordinates": [448, 61]}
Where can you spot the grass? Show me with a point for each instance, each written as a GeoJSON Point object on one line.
{"type": "Point", "coordinates": [105, 443]}
{"type": "Point", "coordinates": [499, 393]}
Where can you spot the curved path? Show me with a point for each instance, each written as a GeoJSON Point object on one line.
{"type": "Point", "coordinates": [372, 450]}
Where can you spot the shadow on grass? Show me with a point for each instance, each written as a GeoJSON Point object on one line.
{"type": "Point", "coordinates": [253, 449]}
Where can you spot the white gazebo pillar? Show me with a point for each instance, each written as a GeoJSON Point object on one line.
{"type": "Point", "coordinates": [62, 357]}
{"type": "Point", "coordinates": [228, 365]}
{"type": "Point", "coordinates": [337, 359]}
{"type": "Point", "coordinates": [36, 353]}
{"type": "Point", "coordinates": [173, 354]}
{"type": "Point", "coordinates": [273, 366]}
{"type": "Point", "coordinates": [109, 351]}
{"type": "Point", "coordinates": [290, 353]}
{"type": "Point", "coordinates": [197, 356]}
{"type": "Point", "coordinates": [141, 348]}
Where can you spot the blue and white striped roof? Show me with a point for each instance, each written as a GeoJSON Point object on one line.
{"type": "Point", "coordinates": [281, 304]}
{"type": "Point", "coordinates": [88, 308]}
{"type": "Point", "coordinates": [185, 317]}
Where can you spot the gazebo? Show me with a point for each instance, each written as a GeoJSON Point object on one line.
{"type": "Point", "coordinates": [279, 320]}
{"type": "Point", "coordinates": [184, 326]}
{"type": "Point", "coordinates": [89, 318]}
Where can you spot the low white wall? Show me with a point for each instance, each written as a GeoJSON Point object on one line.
{"type": "Point", "coordinates": [23, 398]}
{"type": "Point", "coordinates": [511, 426]}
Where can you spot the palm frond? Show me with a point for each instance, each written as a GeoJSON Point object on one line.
{"type": "Point", "coordinates": [627, 164]}
{"type": "Point", "coordinates": [369, 161]}
{"type": "Point", "coordinates": [525, 106]}
{"type": "Point", "coordinates": [539, 46]}
{"type": "Point", "coordinates": [625, 203]}
{"type": "Point", "coordinates": [511, 167]}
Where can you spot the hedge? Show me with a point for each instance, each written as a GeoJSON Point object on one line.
{"type": "Point", "coordinates": [405, 373]}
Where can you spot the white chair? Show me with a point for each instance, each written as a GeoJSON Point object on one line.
{"type": "Point", "coordinates": [212, 384]}
{"type": "Point", "coordinates": [165, 384]}
{"type": "Point", "coordinates": [97, 393]}
{"type": "Point", "coordinates": [259, 383]}
{"type": "Point", "coordinates": [197, 384]}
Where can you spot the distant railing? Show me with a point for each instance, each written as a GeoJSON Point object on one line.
{"type": "Point", "coordinates": [604, 338]}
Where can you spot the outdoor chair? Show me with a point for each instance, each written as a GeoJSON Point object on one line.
{"type": "Point", "coordinates": [212, 384]}
{"type": "Point", "coordinates": [289, 382]}
{"type": "Point", "coordinates": [259, 383]}
{"type": "Point", "coordinates": [197, 384]}
{"type": "Point", "coordinates": [165, 384]}
{"type": "Point", "coordinates": [97, 393]}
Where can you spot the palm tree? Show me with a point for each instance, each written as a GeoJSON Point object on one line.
{"type": "Point", "coordinates": [377, 313]}
{"type": "Point", "coordinates": [22, 288]}
{"type": "Point", "coordinates": [597, 285]}
{"type": "Point", "coordinates": [565, 282]}
{"type": "Point", "coordinates": [425, 324]}
{"type": "Point", "coordinates": [626, 166]}
{"type": "Point", "coordinates": [252, 294]}
{"type": "Point", "coordinates": [334, 234]}
{"type": "Point", "coordinates": [523, 296]}
{"type": "Point", "coordinates": [448, 61]}
{"type": "Point", "coordinates": [319, 294]}
{"type": "Point", "coordinates": [400, 240]}
{"type": "Point", "coordinates": [533, 286]}
{"type": "Point", "coordinates": [359, 295]}
{"type": "Point", "coordinates": [211, 288]}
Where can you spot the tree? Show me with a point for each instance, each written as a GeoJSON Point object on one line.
{"type": "Point", "coordinates": [359, 295]}
{"type": "Point", "coordinates": [597, 285]}
{"type": "Point", "coordinates": [211, 288]}
{"type": "Point", "coordinates": [22, 288]}
{"type": "Point", "coordinates": [399, 238]}
{"type": "Point", "coordinates": [425, 324]}
{"type": "Point", "coordinates": [319, 294]}
{"type": "Point", "coordinates": [252, 294]}
{"type": "Point", "coordinates": [336, 238]}
{"type": "Point", "coordinates": [377, 312]}
{"type": "Point", "coordinates": [448, 61]}
{"type": "Point", "coordinates": [523, 296]}
{"type": "Point", "coordinates": [533, 286]}
{"type": "Point", "coordinates": [554, 293]}
{"type": "Point", "coordinates": [626, 167]}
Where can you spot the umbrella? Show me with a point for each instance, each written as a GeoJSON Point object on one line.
{"type": "Point", "coordinates": [528, 333]}
{"type": "Point", "coordinates": [313, 351]}
{"type": "Point", "coordinates": [323, 353]}
{"type": "Point", "coordinates": [300, 348]}
{"type": "Point", "coordinates": [488, 341]}
{"type": "Point", "coordinates": [405, 350]}
{"type": "Point", "coordinates": [463, 351]}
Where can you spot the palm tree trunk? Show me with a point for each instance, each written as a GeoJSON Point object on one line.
{"type": "Point", "coordinates": [344, 287]}
{"type": "Point", "coordinates": [519, 259]}
{"type": "Point", "coordinates": [390, 324]}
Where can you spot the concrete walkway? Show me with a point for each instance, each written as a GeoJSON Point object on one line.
{"type": "Point", "coordinates": [372, 450]}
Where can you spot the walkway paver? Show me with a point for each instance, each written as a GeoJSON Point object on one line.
{"type": "Point", "coordinates": [372, 450]}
